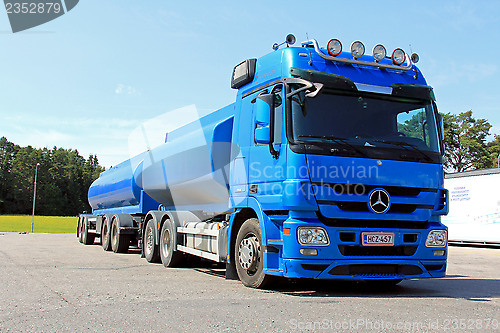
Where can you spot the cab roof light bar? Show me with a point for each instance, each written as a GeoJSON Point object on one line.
{"type": "Point", "coordinates": [314, 43]}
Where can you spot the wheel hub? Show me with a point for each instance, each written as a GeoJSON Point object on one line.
{"type": "Point", "coordinates": [149, 240]}
{"type": "Point", "coordinates": [166, 242]}
{"type": "Point", "coordinates": [248, 253]}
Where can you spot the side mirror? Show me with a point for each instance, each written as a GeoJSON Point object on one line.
{"type": "Point", "coordinates": [441, 125]}
{"type": "Point", "coordinates": [263, 105]}
{"type": "Point", "coordinates": [263, 135]}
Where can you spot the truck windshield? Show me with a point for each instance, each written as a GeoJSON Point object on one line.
{"type": "Point", "coordinates": [367, 124]}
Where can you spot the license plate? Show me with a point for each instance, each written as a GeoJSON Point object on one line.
{"type": "Point", "coordinates": [377, 238]}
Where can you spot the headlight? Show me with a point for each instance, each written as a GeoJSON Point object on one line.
{"type": "Point", "coordinates": [436, 238]}
{"type": "Point", "coordinates": [357, 49]}
{"type": "Point", "coordinates": [312, 236]}
{"type": "Point", "coordinates": [398, 57]}
{"type": "Point", "coordinates": [334, 47]}
{"type": "Point", "coordinates": [379, 52]}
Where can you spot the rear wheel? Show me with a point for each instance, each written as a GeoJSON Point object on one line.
{"type": "Point", "coordinates": [79, 230]}
{"type": "Point", "coordinates": [105, 236]}
{"type": "Point", "coordinates": [87, 238]}
{"type": "Point", "coordinates": [169, 257]}
{"type": "Point", "coordinates": [249, 256]}
{"type": "Point", "coordinates": [148, 243]}
{"type": "Point", "coordinates": [119, 242]}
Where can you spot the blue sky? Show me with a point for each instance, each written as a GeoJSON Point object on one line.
{"type": "Point", "coordinates": [87, 79]}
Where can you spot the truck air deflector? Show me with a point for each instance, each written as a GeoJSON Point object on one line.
{"type": "Point", "coordinates": [338, 82]}
{"type": "Point", "coordinates": [330, 80]}
{"type": "Point", "coordinates": [355, 61]}
{"type": "Point", "coordinates": [416, 91]}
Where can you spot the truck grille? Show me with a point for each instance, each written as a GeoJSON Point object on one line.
{"type": "Point", "coordinates": [361, 189]}
{"type": "Point", "coordinates": [371, 223]}
{"type": "Point", "coordinates": [351, 201]}
{"type": "Point", "coordinates": [363, 207]}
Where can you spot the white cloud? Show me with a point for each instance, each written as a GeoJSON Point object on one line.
{"type": "Point", "coordinates": [123, 89]}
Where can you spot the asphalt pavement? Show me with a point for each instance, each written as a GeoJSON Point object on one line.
{"type": "Point", "coordinates": [52, 283]}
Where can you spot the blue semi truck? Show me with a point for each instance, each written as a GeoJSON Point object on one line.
{"type": "Point", "coordinates": [327, 166]}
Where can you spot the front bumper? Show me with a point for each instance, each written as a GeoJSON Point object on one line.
{"type": "Point", "coordinates": [364, 269]}
{"type": "Point", "coordinates": [346, 258]}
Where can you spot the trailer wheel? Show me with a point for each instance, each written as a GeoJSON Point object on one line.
{"type": "Point", "coordinates": [105, 237]}
{"type": "Point", "coordinates": [119, 242]}
{"type": "Point", "coordinates": [87, 239]}
{"type": "Point", "coordinates": [249, 256]}
{"type": "Point", "coordinates": [169, 257]}
{"type": "Point", "coordinates": [148, 243]}
{"type": "Point", "coordinates": [79, 230]}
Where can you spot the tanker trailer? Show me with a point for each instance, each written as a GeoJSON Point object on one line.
{"type": "Point", "coordinates": [328, 165]}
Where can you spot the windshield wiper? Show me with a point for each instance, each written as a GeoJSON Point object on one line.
{"type": "Point", "coordinates": [404, 145]}
{"type": "Point", "coordinates": [339, 140]}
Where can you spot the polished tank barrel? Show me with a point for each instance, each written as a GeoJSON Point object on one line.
{"type": "Point", "coordinates": [190, 171]}
{"type": "Point", "coordinates": [116, 187]}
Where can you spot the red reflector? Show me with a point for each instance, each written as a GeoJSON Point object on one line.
{"type": "Point", "coordinates": [286, 231]}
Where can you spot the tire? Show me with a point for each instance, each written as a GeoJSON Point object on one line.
{"type": "Point", "coordinates": [87, 239]}
{"type": "Point", "coordinates": [249, 256]}
{"type": "Point", "coordinates": [79, 230]}
{"type": "Point", "coordinates": [119, 242]}
{"type": "Point", "coordinates": [169, 257]}
{"type": "Point", "coordinates": [105, 236]}
{"type": "Point", "coordinates": [150, 249]}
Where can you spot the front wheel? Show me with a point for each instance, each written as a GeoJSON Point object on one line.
{"type": "Point", "coordinates": [249, 256]}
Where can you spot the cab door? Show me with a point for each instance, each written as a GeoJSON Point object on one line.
{"type": "Point", "coordinates": [267, 165]}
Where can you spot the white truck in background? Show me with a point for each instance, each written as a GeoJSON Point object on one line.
{"type": "Point", "coordinates": [474, 215]}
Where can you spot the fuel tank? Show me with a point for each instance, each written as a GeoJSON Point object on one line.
{"type": "Point", "coordinates": [190, 171]}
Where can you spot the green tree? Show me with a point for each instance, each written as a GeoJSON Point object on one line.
{"type": "Point", "coordinates": [64, 177]}
{"type": "Point", "coordinates": [8, 152]}
{"type": "Point", "coordinates": [465, 141]}
{"type": "Point", "coordinates": [492, 153]}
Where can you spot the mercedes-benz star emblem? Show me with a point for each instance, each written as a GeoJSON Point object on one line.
{"type": "Point", "coordinates": [379, 201]}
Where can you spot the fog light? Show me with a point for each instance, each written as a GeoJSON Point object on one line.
{"type": "Point", "coordinates": [439, 253]}
{"type": "Point", "coordinates": [436, 238]}
{"type": "Point", "coordinates": [312, 236]}
{"type": "Point", "coordinates": [309, 252]}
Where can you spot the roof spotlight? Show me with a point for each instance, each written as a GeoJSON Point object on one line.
{"type": "Point", "coordinates": [357, 49]}
{"type": "Point", "coordinates": [398, 57]}
{"type": "Point", "coordinates": [415, 58]}
{"type": "Point", "coordinates": [379, 52]}
{"type": "Point", "coordinates": [334, 47]}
